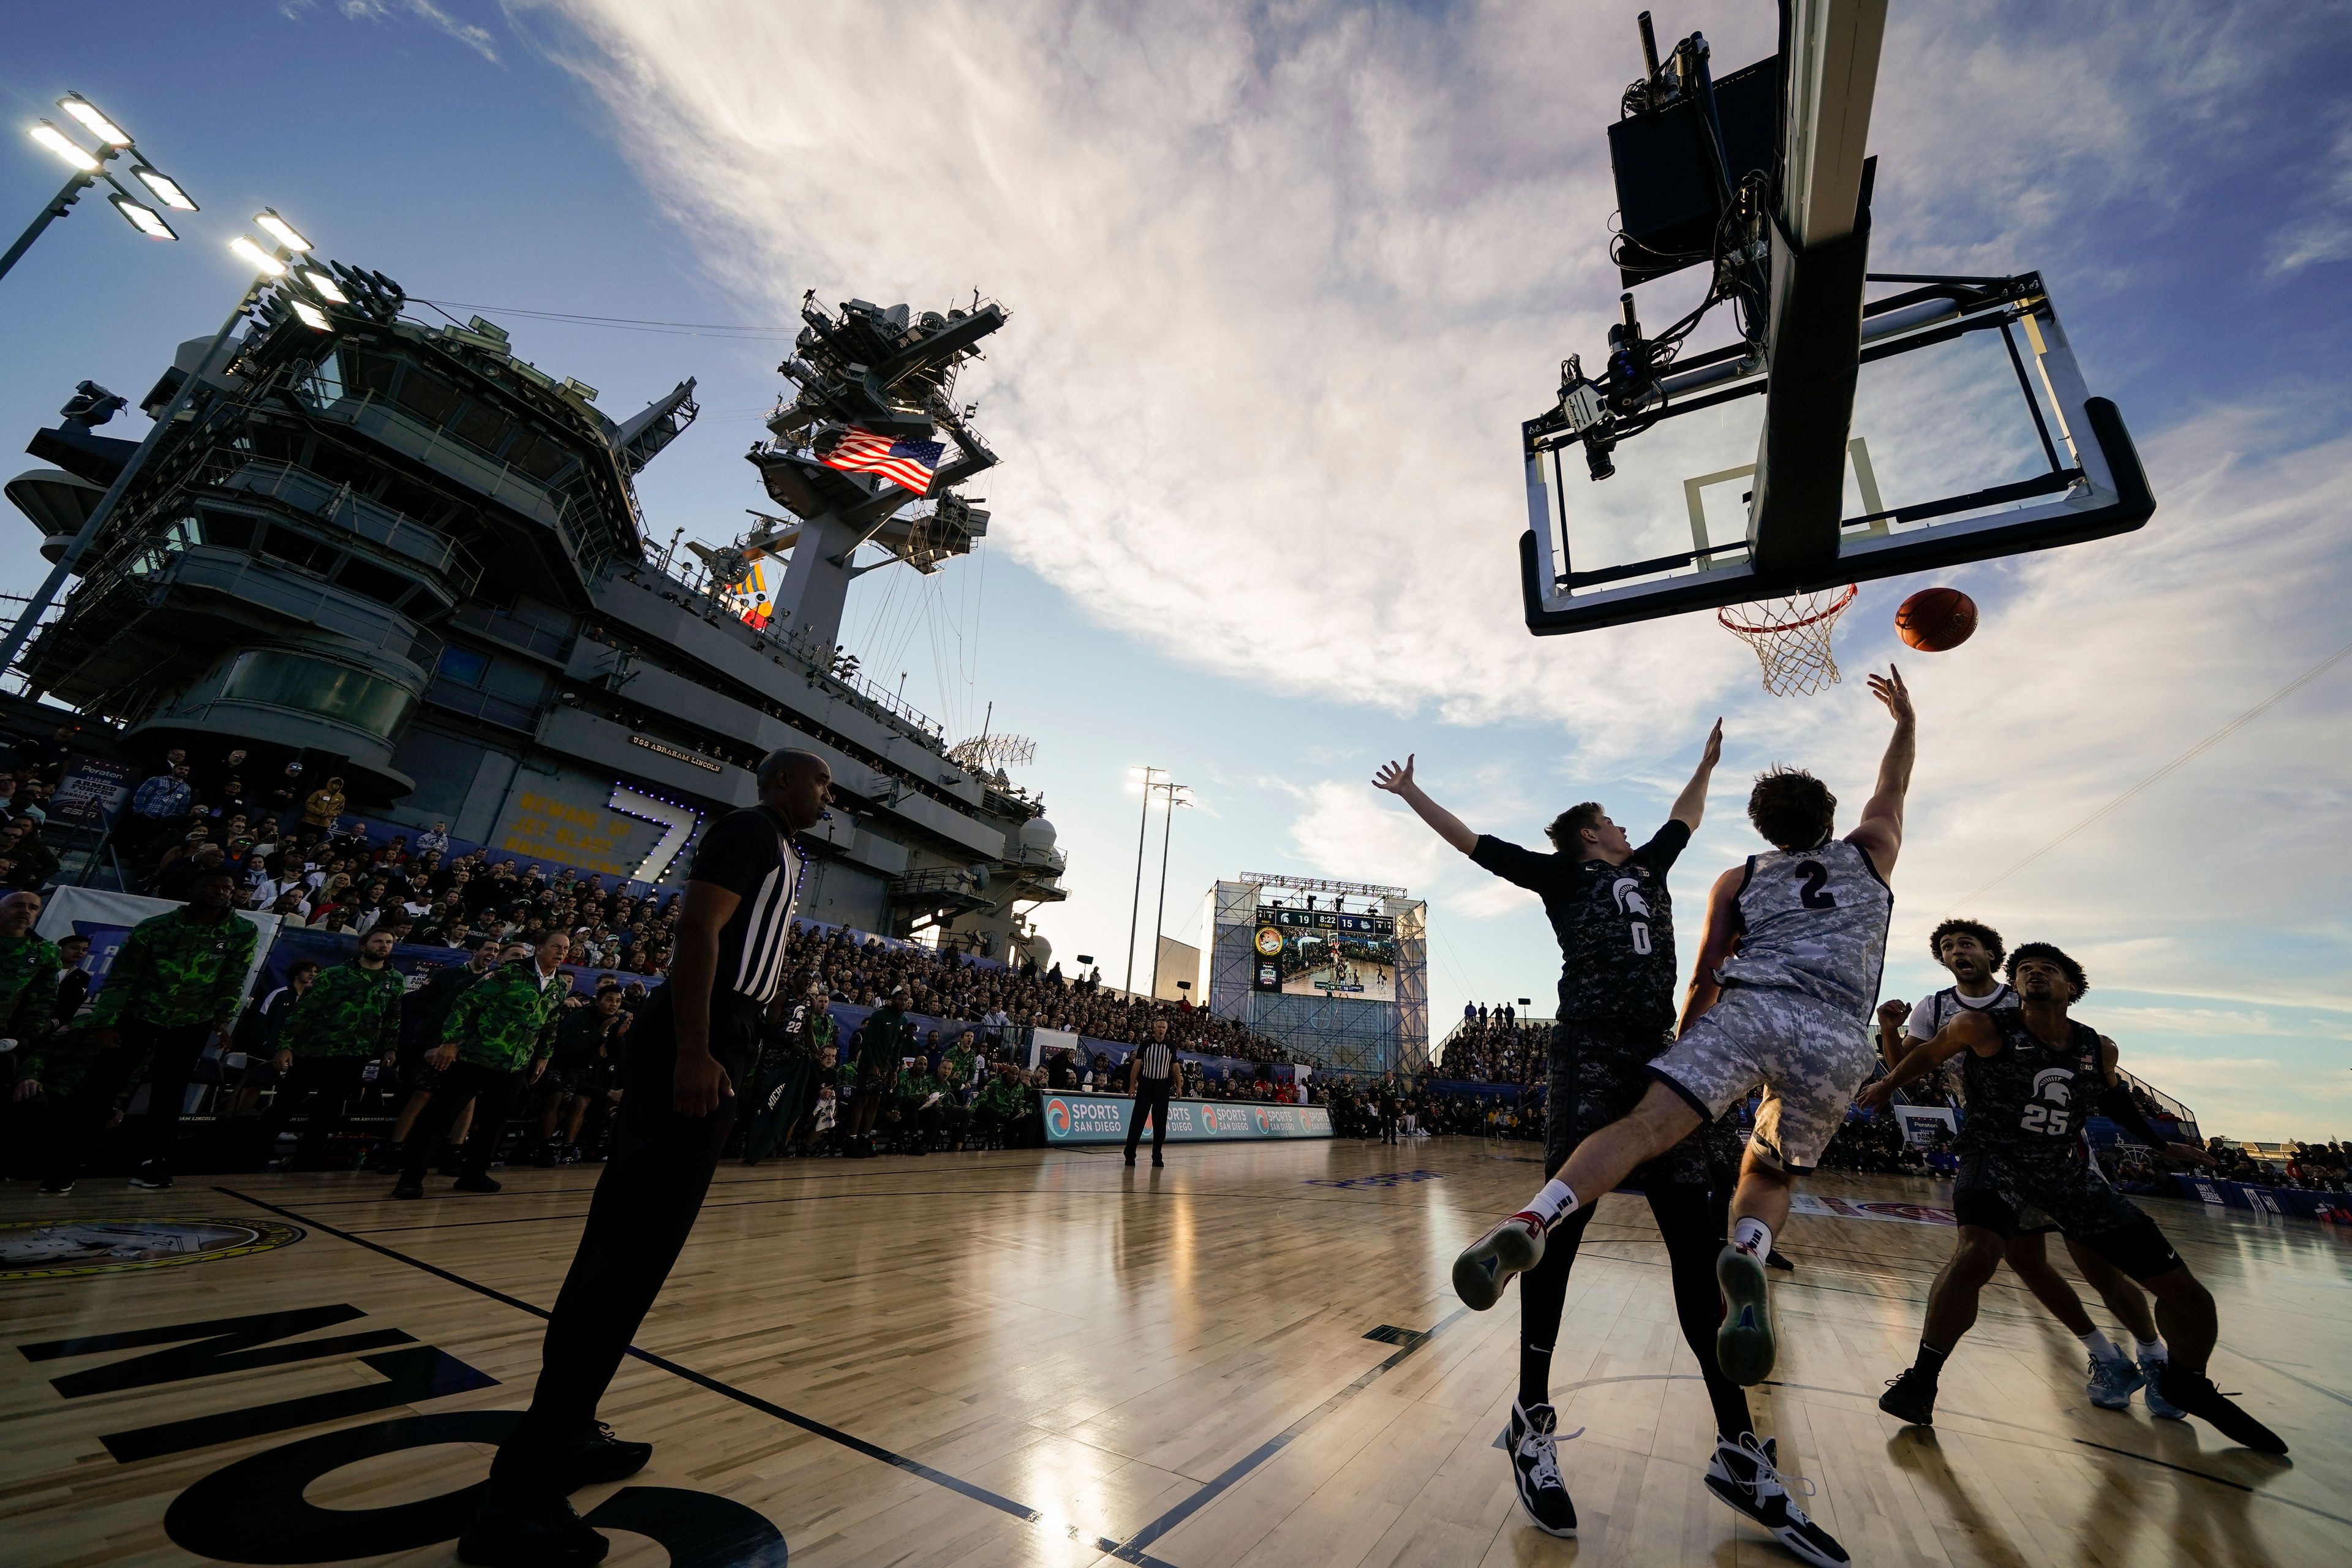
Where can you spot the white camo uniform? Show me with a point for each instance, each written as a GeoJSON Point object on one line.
{"type": "Point", "coordinates": [1928, 1018]}
{"type": "Point", "coordinates": [1797, 998]}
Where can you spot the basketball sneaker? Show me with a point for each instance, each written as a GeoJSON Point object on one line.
{"type": "Point", "coordinates": [1745, 1475]}
{"type": "Point", "coordinates": [1532, 1438]}
{"type": "Point", "coordinates": [154, 1176]}
{"type": "Point", "coordinates": [2113, 1382]}
{"type": "Point", "coordinates": [2151, 1367]}
{"type": "Point", "coordinates": [545, 1534]}
{"type": "Point", "coordinates": [597, 1456]}
{"type": "Point", "coordinates": [1487, 1264]}
{"type": "Point", "coordinates": [1743, 1346]}
{"type": "Point", "coordinates": [1911, 1398]}
{"type": "Point", "coordinates": [2188, 1392]}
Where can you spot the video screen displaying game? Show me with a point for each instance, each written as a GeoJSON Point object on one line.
{"type": "Point", "coordinates": [1321, 953]}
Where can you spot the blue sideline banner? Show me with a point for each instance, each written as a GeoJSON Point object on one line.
{"type": "Point", "coordinates": [1103, 1118]}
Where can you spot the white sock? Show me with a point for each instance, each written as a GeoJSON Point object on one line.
{"type": "Point", "coordinates": [2099, 1345]}
{"type": "Point", "coordinates": [1552, 1204]}
{"type": "Point", "coordinates": [1752, 1236]}
{"type": "Point", "coordinates": [2153, 1350]}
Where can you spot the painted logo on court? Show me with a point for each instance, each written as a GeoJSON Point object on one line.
{"type": "Point", "coordinates": [54, 1249]}
{"type": "Point", "coordinates": [1057, 1115]}
{"type": "Point", "coordinates": [1842, 1208]}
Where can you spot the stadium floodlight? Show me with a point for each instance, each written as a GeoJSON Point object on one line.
{"type": "Point", "coordinates": [256, 258]}
{"type": "Point", "coordinates": [324, 287]}
{"type": "Point", "coordinates": [87, 114]}
{"type": "Point", "coordinates": [277, 228]}
{"type": "Point", "coordinates": [167, 190]}
{"type": "Point", "coordinates": [145, 219]}
{"type": "Point", "coordinates": [64, 146]}
{"type": "Point", "coordinates": [312, 316]}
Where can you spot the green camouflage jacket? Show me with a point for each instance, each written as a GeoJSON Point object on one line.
{"type": "Point", "coordinates": [60, 1063]}
{"type": "Point", "coordinates": [29, 965]}
{"type": "Point", "coordinates": [174, 970]}
{"type": "Point", "coordinates": [1004, 1096]}
{"type": "Point", "coordinates": [347, 1012]}
{"type": "Point", "coordinates": [508, 1017]}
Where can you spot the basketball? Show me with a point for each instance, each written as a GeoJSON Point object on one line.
{"type": "Point", "coordinates": [1936, 620]}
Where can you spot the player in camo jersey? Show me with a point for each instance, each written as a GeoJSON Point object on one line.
{"type": "Point", "coordinates": [1608, 907]}
{"type": "Point", "coordinates": [2035, 1075]}
{"type": "Point", "coordinates": [1972, 952]}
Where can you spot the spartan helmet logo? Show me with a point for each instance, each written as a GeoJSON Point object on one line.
{"type": "Point", "coordinates": [1627, 891]}
{"type": "Point", "coordinates": [2054, 1085]}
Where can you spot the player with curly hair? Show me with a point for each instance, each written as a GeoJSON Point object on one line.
{"type": "Point", "coordinates": [2034, 1074]}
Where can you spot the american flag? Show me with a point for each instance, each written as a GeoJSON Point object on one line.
{"type": "Point", "coordinates": [906, 464]}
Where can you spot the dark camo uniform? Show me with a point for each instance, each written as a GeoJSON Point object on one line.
{"type": "Point", "coordinates": [2023, 1148]}
{"type": "Point", "coordinates": [1615, 925]}
{"type": "Point", "coordinates": [29, 966]}
{"type": "Point", "coordinates": [507, 1018]}
{"type": "Point", "coordinates": [174, 970]}
{"type": "Point", "coordinates": [347, 1012]}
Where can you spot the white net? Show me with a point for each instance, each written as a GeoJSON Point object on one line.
{"type": "Point", "coordinates": [1790, 638]}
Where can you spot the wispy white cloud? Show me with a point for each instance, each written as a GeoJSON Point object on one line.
{"type": "Point", "coordinates": [477, 38]}
{"type": "Point", "coordinates": [2322, 228]}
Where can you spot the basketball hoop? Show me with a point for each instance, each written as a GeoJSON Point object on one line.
{"type": "Point", "coordinates": [1792, 637]}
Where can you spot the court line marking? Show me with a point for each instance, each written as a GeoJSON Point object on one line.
{"type": "Point", "coordinates": [1131, 1549]}
{"type": "Point", "coordinates": [2217, 1480]}
{"type": "Point", "coordinates": [806, 1423]}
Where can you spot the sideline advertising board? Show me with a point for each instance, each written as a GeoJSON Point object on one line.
{"type": "Point", "coordinates": [1103, 1118]}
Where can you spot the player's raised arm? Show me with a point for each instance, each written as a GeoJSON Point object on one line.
{"type": "Point", "coordinates": [1879, 833]}
{"type": "Point", "coordinates": [1969, 1031]}
{"type": "Point", "coordinates": [1691, 804]}
{"type": "Point", "coordinates": [1719, 942]}
{"type": "Point", "coordinates": [1398, 782]}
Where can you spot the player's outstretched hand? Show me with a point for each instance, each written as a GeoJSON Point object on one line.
{"type": "Point", "coordinates": [2189, 1154]}
{"type": "Point", "coordinates": [1394, 779]}
{"type": "Point", "coordinates": [1713, 752]}
{"type": "Point", "coordinates": [1889, 689]}
{"type": "Point", "coordinates": [1876, 1096]}
{"type": "Point", "coordinates": [1894, 1014]}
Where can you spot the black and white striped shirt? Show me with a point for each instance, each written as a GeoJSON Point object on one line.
{"type": "Point", "coordinates": [1155, 1058]}
{"type": "Point", "coordinates": [750, 853]}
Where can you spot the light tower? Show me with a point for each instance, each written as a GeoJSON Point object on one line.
{"type": "Point", "coordinates": [875, 397]}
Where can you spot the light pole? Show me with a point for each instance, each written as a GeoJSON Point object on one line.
{"type": "Point", "coordinates": [1135, 912]}
{"type": "Point", "coordinates": [269, 267]}
{"type": "Point", "coordinates": [1160, 911]}
{"type": "Point", "coordinates": [89, 168]}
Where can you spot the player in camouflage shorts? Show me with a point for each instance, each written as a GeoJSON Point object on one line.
{"type": "Point", "coordinates": [1608, 907]}
{"type": "Point", "coordinates": [2033, 1077]}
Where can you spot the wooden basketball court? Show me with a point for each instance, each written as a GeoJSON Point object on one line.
{"type": "Point", "coordinates": [1250, 1357]}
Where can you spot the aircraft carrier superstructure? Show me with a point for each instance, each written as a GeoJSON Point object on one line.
{"type": "Point", "coordinates": [400, 553]}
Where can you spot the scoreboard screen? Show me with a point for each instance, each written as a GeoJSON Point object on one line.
{"type": "Point", "coordinates": [1322, 953]}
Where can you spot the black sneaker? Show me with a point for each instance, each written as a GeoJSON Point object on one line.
{"type": "Point", "coordinates": [1532, 1440]}
{"type": "Point", "coordinates": [450, 1163]}
{"type": "Point", "coordinates": [388, 1157]}
{"type": "Point", "coordinates": [1743, 1346]}
{"type": "Point", "coordinates": [1779, 1262]}
{"type": "Point", "coordinates": [408, 1189]}
{"type": "Point", "coordinates": [599, 1457]}
{"type": "Point", "coordinates": [476, 1184]}
{"type": "Point", "coordinates": [2197, 1395]}
{"type": "Point", "coordinates": [55, 1187]}
{"type": "Point", "coordinates": [544, 1159]}
{"type": "Point", "coordinates": [1745, 1475]}
{"type": "Point", "coordinates": [1911, 1398]}
{"type": "Point", "coordinates": [1487, 1264]}
{"type": "Point", "coordinates": [527, 1535]}
{"type": "Point", "coordinates": [154, 1176]}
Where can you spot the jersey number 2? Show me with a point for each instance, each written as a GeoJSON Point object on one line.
{"type": "Point", "coordinates": [1815, 877]}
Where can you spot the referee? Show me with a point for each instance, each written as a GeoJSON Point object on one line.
{"type": "Point", "coordinates": [1154, 1067]}
{"type": "Point", "coordinates": [694, 1039]}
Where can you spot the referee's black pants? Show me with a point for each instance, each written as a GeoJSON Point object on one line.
{"type": "Point", "coordinates": [656, 1171]}
{"type": "Point", "coordinates": [1151, 1099]}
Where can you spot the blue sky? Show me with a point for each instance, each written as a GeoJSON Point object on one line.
{"type": "Point", "coordinates": [1282, 290]}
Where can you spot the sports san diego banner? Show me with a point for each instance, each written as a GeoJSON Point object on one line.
{"type": "Point", "coordinates": [1102, 1119]}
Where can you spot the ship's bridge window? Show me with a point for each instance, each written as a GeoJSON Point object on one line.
{"type": "Point", "coordinates": [283, 543]}
{"type": "Point", "coordinates": [537, 455]}
{"type": "Point", "coordinates": [278, 679]}
{"type": "Point", "coordinates": [479, 425]}
{"type": "Point", "coordinates": [323, 382]}
{"type": "Point", "coordinates": [371, 374]}
{"type": "Point", "coordinates": [232, 528]}
{"type": "Point", "coordinates": [374, 581]}
{"type": "Point", "coordinates": [426, 396]}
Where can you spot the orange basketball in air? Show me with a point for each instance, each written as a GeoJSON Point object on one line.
{"type": "Point", "coordinates": [1936, 620]}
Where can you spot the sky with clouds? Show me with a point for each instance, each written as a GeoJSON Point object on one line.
{"type": "Point", "coordinates": [1283, 280]}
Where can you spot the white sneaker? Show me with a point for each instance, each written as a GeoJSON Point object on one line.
{"type": "Point", "coordinates": [1487, 1264]}
{"type": "Point", "coordinates": [1745, 1474]}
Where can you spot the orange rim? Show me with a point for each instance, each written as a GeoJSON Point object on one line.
{"type": "Point", "coordinates": [1723, 617]}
